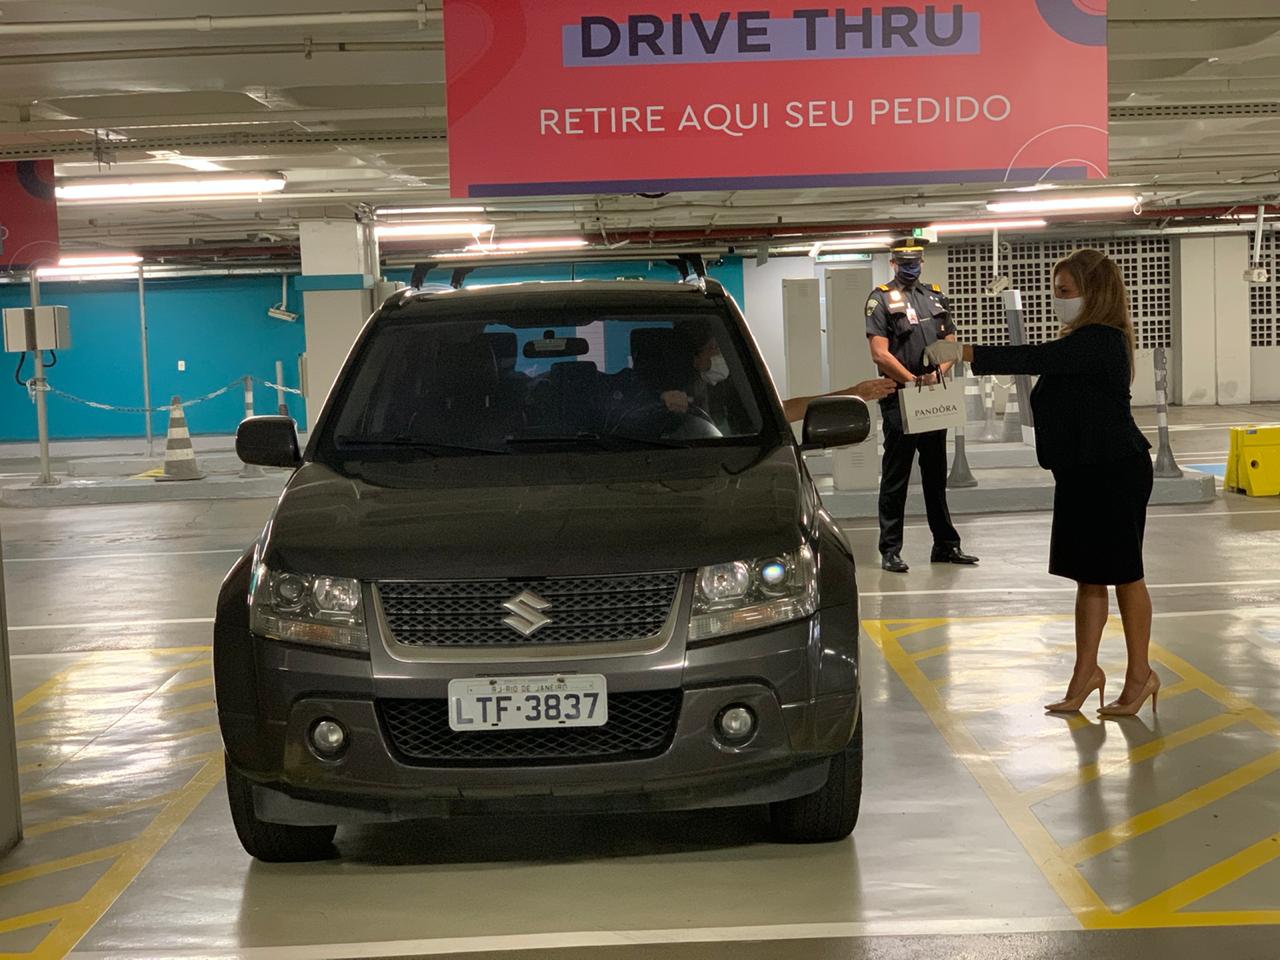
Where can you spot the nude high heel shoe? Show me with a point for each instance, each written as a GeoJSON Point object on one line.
{"type": "Point", "coordinates": [1150, 689]}
{"type": "Point", "coordinates": [1074, 704]}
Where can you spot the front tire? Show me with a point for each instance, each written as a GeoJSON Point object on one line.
{"type": "Point", "coordinates": [273, 842]}
{"type": "Point", "coordinates": [831, 813]}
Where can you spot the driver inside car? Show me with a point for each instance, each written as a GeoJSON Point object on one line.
{"type": "Point", "coordinates": [698, 365]}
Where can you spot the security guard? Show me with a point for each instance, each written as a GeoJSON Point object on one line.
{"type": "Point", "coordinates": [904, 317]}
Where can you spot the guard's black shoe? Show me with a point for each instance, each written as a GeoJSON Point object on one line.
{"type": "Point", "coordinates": [952, 555]}
{"type": "Point", "coordinates": [893, 563]}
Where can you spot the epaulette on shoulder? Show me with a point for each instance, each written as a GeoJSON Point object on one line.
{"type": "Point", "coordinates": [936, 288]}
{"type": "Point", "coordinates": [884, 287]}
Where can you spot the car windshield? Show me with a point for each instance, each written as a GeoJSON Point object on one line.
{"type": "Point", "coordinates": [600, 376]}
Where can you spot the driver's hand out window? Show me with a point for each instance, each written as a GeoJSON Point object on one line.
{"type": "Point", "coordinates": [677, 401]}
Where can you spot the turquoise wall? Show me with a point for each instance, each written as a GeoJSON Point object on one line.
{"type": "Point", "coordinates": [220, 327]}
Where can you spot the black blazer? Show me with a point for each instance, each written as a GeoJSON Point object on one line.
{"type": "Point", "coordinates": [1081, 402]}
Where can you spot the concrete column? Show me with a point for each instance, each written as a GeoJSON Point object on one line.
{"type": "Point", "coordinates": [1211, 335]}
{"type": "Point", "coordinates": [339, 272]}
{"type": "Point", "coordinates": [1232, 329]}
{"type": "Point", "coordinates": [10, 808]}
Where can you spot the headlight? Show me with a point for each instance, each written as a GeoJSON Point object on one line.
{"type": "Point", "coordinates": [313, 610]}
{"type": "Point", "coordinates": [750, 594]}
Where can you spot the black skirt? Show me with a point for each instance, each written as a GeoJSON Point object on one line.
{"type": "Point", "coordinates": [1099, 520]}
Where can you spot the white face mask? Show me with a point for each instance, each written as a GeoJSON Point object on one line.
{"type": "Point", "coordinates": [718, 372]}
{"type": "Point", "coordinates": [1068, 311]}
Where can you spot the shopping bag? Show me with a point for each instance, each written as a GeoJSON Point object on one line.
{"type": "Point", "coordinates": [925, 409]}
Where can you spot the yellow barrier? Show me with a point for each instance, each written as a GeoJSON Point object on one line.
{"type": "Point", "coordinates": [1253, 465]}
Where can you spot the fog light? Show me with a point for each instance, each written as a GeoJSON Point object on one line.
{"type": "Point", "coordinates": [328, 738]}
{"type": "Point", "coordinates": [737, 723]}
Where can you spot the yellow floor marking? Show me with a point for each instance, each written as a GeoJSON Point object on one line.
{"type": "Point", "coordinates": [1207, 881]}
{"type": "Point", "coordinates": [1059, 865]}
{"type": "Point", "coordinates": [65, 739]}
{"type": "Point", "coordinates": [200, 707]}
{"type": "Point", "coordinates": [96, 816]}
{"type": "Point", "coordinates": [75, 920]}
{"type": "Point", "coordinates": [184, 687]}
{"type": "Point", "coordinates": [57, 866]}
{"type": "Point", "coordinates": [34, 796]}
{"type": "Point", "coordinates": [46, 689]}
{"type": "Point", "coordinates": [1070, 886]}
{"type": "Point", "coordinates": [931, 652]}
{"type": "Point", "coordinates": [1148, 751]}
{"type": "Point", "coordinates": [1232, 701]}
{"type": "Point", "coordinates": [33, 919]}
{"type": "Point", "coordinates": [1189, 802]}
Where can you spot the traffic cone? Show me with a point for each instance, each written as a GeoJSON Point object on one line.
{"type": "Point", "coordinates": [1166, 465]}
{"type": "Point", "coordinates": [1012, 418]}
{"type": "Point", "coordinates": [179, 455]}
{"type": "Point", "coordinates": [961, 476]}
{"type": "Point", "coordinates": [990, 429]}
{"type": "Point", "coordinates": [972, 396]}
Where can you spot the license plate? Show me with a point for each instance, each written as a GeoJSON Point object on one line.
{"type": "Point", "coordinates": [527, 703]}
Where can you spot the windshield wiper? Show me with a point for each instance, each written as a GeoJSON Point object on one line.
{"type": "Point", "coordinates": [415, 443]}
{"type": "Point", "coordinates": [608, 440]}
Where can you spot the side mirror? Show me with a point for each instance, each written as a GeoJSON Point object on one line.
{"type": "Point", "coordinates": [836, 422]}
{"type": "Point", "coordinates": [268, 442]}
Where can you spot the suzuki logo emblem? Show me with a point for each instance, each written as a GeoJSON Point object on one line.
{"type": "Point", "coordinates": [527, 615]}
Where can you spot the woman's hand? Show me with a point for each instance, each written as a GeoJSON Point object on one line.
{"type": "Point", "coordinates": [944, 352]}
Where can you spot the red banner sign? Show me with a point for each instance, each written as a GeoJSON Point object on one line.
{"type": "Point", "coordinates": [558, 97]}
{"type": "Point", "coordinates": [28, 214]}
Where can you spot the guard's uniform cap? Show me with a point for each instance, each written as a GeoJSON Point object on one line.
{"type": "Point", "coordinates": [908, 249]}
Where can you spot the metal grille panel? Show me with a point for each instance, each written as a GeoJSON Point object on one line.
{"type": "Point", "coordinates": [470, 613]}
{"type": "Point", "coordinates": [1264, 317]}
{"type": "Point", "coordinates": [1146, 263]}
{"type": "Point", "coordinates": [640, 725]}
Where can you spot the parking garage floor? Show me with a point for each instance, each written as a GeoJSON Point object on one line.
{"type": "Point", "coordinates": [988, 829]}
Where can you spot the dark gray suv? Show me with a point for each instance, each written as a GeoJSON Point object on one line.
{"type": "Point", "coordinates": [551, 548]}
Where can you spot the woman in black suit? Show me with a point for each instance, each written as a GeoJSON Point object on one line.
{"type": "Point", "coordinates": [1086, 435]}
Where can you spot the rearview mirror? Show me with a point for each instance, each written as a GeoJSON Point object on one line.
{"type": "Point", "coordinates": [836, 422]}
{"type": "Point", "coordinates": [268, 442]}
{"type": "Point", "coordinates": [556, 348]}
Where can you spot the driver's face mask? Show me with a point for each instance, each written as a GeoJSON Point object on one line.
{"type": "Point", "coordinates": [718, 372]}
{"type": "Point", "coordinates": [908, 272]}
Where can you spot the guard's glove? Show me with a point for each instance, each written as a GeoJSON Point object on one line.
{"type": "Point", "coordinates": [944, 351]}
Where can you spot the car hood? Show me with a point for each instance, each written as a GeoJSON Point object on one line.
{"type": "Point", "coordinates": [474, 518]}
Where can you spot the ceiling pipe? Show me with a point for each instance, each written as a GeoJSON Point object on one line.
{"type": "Point", "coordinates": [305, 49]}
{"type": "Point", "coordinates": [224, 119]}
{"type": "Point", "coordinates": [208, 24]}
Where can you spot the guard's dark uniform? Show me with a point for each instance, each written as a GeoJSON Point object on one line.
{"type": "Point", "coordinates": [911, 318]}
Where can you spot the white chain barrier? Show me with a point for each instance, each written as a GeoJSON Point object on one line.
{"type": "Point", "coordinates": [32, 386]}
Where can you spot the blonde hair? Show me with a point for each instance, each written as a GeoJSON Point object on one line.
{"type": "Point", "coordinates": [1106, 303]}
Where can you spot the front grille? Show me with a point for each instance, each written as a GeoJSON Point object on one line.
{"type": "Point", "coordinates": [640, 725]}
{"type": "Point", "coordinates": [470, 613]}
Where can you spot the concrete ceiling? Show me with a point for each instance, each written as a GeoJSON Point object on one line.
{"type": "Point", "coordinates": [1195, 97]}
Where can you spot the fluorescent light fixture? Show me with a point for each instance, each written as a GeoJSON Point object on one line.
{"type": "Point", "coordinates": [843, 257]}
{"type": "Point", "coordinates": [525, 246]}
{"type": "Point", "coordinates": [198, 164]}
{"type": "Point", "coordinates": [977, 226]}
{"type": "Point", "coordinates": [88, 273]}
{"type": "Point", "coordinates": [438, 211]}
{"type": "Point", "coordinates": [422, 231]}
{"type": "Point", "coordinates": [1083, 204]}
{"type": "Point", "coordinates": [102, 260]}
{"type": "Point", "coordinates": [196, 188]}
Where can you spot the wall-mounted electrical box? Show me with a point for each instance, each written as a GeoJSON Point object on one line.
{"type": "Point", "coordinates": [36, 328]}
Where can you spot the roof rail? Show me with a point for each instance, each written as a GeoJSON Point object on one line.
{"type": "Point", "coordinates": [688, 265]}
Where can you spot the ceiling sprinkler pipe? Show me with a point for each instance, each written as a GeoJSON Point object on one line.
{"type": "Point", "coordinates": [208, 24]}
{"type": "Point", "coordinates": [271, 49]}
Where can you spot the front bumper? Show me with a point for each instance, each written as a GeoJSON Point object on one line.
{"type": "Point", "coordinates": [800, 679]}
